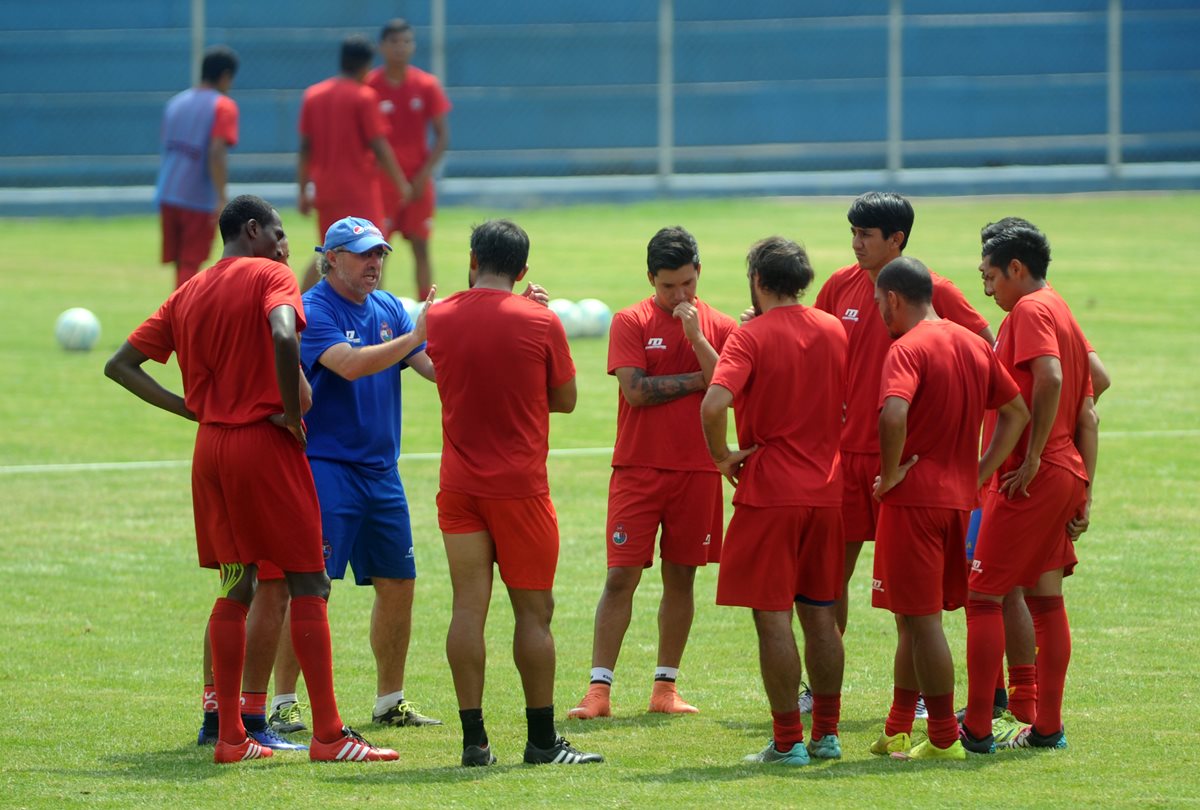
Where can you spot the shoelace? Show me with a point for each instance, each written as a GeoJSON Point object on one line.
{"type": "Point", "coordinates": [291, 712]}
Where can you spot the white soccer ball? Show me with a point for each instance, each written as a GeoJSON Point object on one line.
{"type": "Point", "coordinates": [568, 312]}
{"type": "Point", "coordinates": [77, 329]}
{"type": "Point", "coordinates": [596, 317]}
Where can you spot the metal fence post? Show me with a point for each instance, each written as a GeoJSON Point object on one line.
{"type": "Point", "coordinates": [197, 39]}
{"type": "Point", "coordinates": [437, 22]}
{"type": "Point", "coordinates": [895, 88]}
{"type": "Point", "coordinates": [1114, 87]}
{"type": "Point", "coordinates": [666, 92]}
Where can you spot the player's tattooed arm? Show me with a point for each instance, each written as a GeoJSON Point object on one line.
{"type": "Point", "coordinates": [640, 389]}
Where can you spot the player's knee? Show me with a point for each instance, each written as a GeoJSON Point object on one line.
{"type": "Point", "coordinates": [310, 583]}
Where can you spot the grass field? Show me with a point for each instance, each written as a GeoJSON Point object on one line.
{"type": "Point", "coordinates": [100, 638]}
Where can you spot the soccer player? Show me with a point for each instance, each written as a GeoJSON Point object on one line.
{"type": "Point", "coordinates": [199, 127]}
{"type": "Point", "coordinates": [358, 341]}
{"type": "Point", "coordinates": [234, 330]}
{"type": "Point", "coordinates": [1020, 698]}
{"type": "Point", "coordinates": [343, 147]}
{"type": "Point", "coordinates": [880, 226]}
{"type": "Point", "coordinates": [413, 103]}
{"type": "Point", "coordinates": [1039, 492]}
{"type": "Point", "coordinates": [784, 373]}
{"type": "Point", "coordinates": [663, 351]}
{"type": "Point", "coordinates": [938, 379]}
{"type": "Point", "coordinates": [503, 366]}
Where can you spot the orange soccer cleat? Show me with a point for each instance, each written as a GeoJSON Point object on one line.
{"type": "Point", "coordinates": [596, 703]}
{"type": "Point", "coordinates": [666, 699]}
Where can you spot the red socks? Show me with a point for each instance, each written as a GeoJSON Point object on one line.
{"type": "Point", "coordinates": [985, 658]}
{"type": "Point", "coordinates": [310, 639]}
{"type": "Point", "coordinates": [1023, 692]}
{"type": "Point", "coordinates": [227, 635]}
{"type": "Point", "coordinates": [827, 709]}
{"type": "Point", "coordinates": [1053, 657]}
{"type": "Point", "coordinates": [904, 709]}
{"type": "Point", "coordinates": [788, 729]}
{"type": "Point", "coordinates": [942, 724]}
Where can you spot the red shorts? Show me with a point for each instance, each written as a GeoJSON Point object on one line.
{"type": "Point", "coordinates": [414, 220]}
{"type": "Point", "coordinates": [368, 206]}
{"type": "Point", "coordinates": [689, 506]}
{"type": "Point", "coordinates": [920, 560]}
{"type": "Point", "coordinates": [187, 235]}
{"type": "Point", "coordinates": [860, 510]}
{"type": "Point", "coordinates": [776, 555]}
{"type": "Point", "coordinates": [254, 499]}
{"type": "Point", "coordinates": [524, 532]}
{"type": "Point", "coordinates": [1022, 538]}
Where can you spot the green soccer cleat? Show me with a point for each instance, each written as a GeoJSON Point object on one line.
{"type": "Point", "coordinates": [772, 756]}
{"type": "Point", "coordinates": [287, 718]}
{"type": "Point", "coordinates": [828, 747]}
{"type": "Point", "coordinates": [1005, 729]}
{"type": "Point", "coordinates": [404, 714]}
{"type": "Point", "coordinates": [1028, 738]}
{"type": "Point", "coordinates": [895, 744]}
{"type": "Point", "coordinates": [926, 750]}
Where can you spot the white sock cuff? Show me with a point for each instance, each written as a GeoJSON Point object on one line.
{"type": "Point", "coordinates": [666, 673]}
{"type": "Point", "coordinates": [279, 700]}
{"type": "Point", "coordinates": [602, 675]}
{"type": "Point", "coordinates": [384, 702]}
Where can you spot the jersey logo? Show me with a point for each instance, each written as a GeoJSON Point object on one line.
{"type": "Point", "coordinates": [385, 332]}
{"type": "Point", "coordinates": [619, 537]}
{"type": "Point", "coordinates": [352, 336]}
{"type": "Point", "coordinates": [655, 343]}
{"type": "Point", "coordinates": [851, 315]}
{"type": "Point", "coordinates": [416, 104]}
{"type": "Point", "coordinates": [877, 585]}
{"type": "Point", "coordinates": [386, 106]}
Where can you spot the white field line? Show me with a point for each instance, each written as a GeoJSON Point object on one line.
{"type": "Point", "coordinates": [565, 452]}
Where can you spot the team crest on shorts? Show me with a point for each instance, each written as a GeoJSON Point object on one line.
{"type": "Point", "coordinates": [877, 585]}
{"type": "Point", "coordinates": [619, 537]}
{"type": "Point", "coordinates": [326, 550]}
{"type": "Point", "coordinates": [385, 332]}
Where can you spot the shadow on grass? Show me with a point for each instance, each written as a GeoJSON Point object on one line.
{"type": "Point", "coordinates": [820, 770]}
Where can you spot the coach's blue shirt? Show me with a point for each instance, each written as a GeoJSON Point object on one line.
{"type": "Point", "coordinates": [353, 422]}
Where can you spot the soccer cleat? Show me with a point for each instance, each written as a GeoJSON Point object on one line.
{"type": "Point", "coordinates": [287, 718]}
{"type": "Point", "coordinates": [928, 751]}
{"type": "Point", "coordinates": [596, 703]}
{"type": "Point", "coordinates": [248, 749]}
{"type": "Point", "coordinates": [894, 744]}
{"type": "Point", "coordinates": [404, 714]}
{"type": "Point", "coordinates": [921, 713]}
{"type": "Point", "coordinates": [561, 753]}
{"type": "Point", "coordinates": [798, 755]}
{"type": "Point", "coordinates": [474, 756]}
{"type": "Point", "coordinates": [805, 702]}
{"type": "Point", "coordinates": [828, 747]}
{"type": "Point", "coordinates": [666, 700]}
{"type": "Point", "coordinates": [976, 745]}
{"type": "Point", "coordinates": [350, 747]}
{"type": "Point", "coordinates": [1005, 728]}
{"type": "Point", "coordinates": [269, 739]}
{"type": "Point", "coordinates": [1028, 738]}
{"type": "Point", "coordinates": [204, 738]}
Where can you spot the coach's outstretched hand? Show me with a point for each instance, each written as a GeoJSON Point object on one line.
{"type": "Point", "coordinates": [419, 326]}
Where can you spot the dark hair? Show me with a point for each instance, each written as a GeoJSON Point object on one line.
{"type": "Point", "coordinates": [357, 53]}
{"type": "Point", "coordinates": [218, 60]}
{"type": "Point", "coordinates": [1025, 243]}
{"type": "Point", "coordinates": [399, 25]}
{"type": "Point", "coordinates": [908, 278]}
{"type": "Point", "coordinates": [241, 210]}
{"type": "Point", "coordinates": [500, 246]}
{"type": "Point", "coordinates": [883, 210]}
{"type": "Point", "coordinates": [993, 228]}
{"type": "Point", "coordinates": [781, 266]}
{"type": "Point", "coordinates": [670, 249]}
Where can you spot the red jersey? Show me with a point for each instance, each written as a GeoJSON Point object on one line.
{"type": "Point", "coordinates": [340, 117]}
{"type": "Point", "coordinates": [949, 377]}
{"type": "Point", "coordinates": [666, 436]}
{"type": "Point", "coordinates": [1041, 325]}
{"type": "Point", "coordinates": [496, 354]}
{"type": "Point", "coordinates": [787, 370]}
{"type": "Point", "coordinates": [217, 325]}
{"type": "Point", "coordinates": [849, 294]}
{"type": "Point", "coordinates": [408, 107]}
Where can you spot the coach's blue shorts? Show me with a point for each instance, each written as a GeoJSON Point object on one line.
{"type": "Point", "coordinates": [364, 522]}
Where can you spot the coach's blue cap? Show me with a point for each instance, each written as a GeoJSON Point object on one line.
{"type": "Point", "coordinates": [354, 234]}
